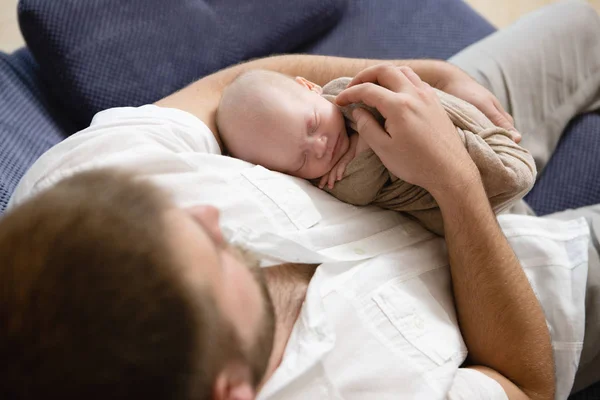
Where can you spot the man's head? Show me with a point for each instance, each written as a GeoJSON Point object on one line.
{"type": "Point", "coordinates": [107, 290]}
{"type": "Point", "coordinates": [281, 123]}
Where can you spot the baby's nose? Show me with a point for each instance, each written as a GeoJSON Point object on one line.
{"type": "Point", "coordinates": [320, 146]}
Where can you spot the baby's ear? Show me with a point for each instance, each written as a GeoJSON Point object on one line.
{"type": "Point", "coordinates": [313, 87]}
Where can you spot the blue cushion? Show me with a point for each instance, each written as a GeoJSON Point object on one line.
{"type": "Point", "coordinates": [591, 393]}
{"type": "Point", "coordinates": [29, 124]}
{"type": "Point", "coordinates": [97, 54]}
{"type": "Point", "coordinates": [403, 29]}
{"type": "Point", "coordinates": [571, 178]}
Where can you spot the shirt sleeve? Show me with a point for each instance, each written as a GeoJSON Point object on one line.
{"type": "Point", "coordinates": [470, 384]}
{"type": "Point", "coordinates": [180, 124]}
{"type": "Point", "coordinates": [147, 140]}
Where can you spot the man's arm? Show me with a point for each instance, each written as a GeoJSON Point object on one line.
{"type": "Point", "coordinates": [500, 318]}
{"type": "Point", "coordinates": [201, 98]}
{"type": "Point", "coordinates": [502, 322]}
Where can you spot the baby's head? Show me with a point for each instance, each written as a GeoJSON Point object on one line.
{"type": "Point", "coordinates": [281, 123]}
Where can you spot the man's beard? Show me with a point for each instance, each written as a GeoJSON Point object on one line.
{"type": "Point", "coordinates": [257, 354]}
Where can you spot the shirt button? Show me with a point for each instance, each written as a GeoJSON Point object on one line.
{"type": "Point", "coordinates": [359, 251]}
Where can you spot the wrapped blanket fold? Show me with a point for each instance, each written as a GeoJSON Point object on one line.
{"type": "Point", "coordinates": [507, 170]}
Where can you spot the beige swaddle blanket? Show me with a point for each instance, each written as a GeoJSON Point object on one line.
{"type": "Point", "coordinates": [507, 170]}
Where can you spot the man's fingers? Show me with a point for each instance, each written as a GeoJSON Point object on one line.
{"type": "Point", "coordinates": [412, 76]}
{"type": "Point", "coordinates": [396, 79]}
{"type": "Point", "coordinates": [511, 121]}
{"type": "Point", "coordinates": [501, 118]}
{"type": "Point", "coordinates": [509, 117]}
{"type": "Point", "coordinates": [517, 136]}
{"type": "Point", "coordinates": [369, 129]}
{"type": "Point", "coordinates": [370, 94]}
{"type": "Point", "coordinates": [368, 75]}
{"type": "Point", "coordinates": [504, 112]}
{"type": "Point", "coordinates": [497, 117]}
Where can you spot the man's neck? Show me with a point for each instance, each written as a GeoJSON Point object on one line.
{"type": "Point", "coordinates": [287, 285]}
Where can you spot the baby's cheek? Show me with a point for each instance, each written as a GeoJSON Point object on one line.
{"type": "Point", "coordinates": [316, 170]}
{"type": "Point", "coordinates": [325, 168]}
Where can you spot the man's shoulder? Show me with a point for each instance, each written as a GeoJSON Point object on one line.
{"type": "Point", "coordinates": [136, 138]}
{"type": "Point", "coordinates": [149, 119]}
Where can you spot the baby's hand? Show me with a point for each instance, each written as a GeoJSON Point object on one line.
{"type": "Point", "coordinates": [337, 172]}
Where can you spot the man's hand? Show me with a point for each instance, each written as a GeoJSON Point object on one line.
{"type": "Point", "coordinates": [458, 83]}
{"type": "Point", "coordinates": [418, 143]}
{"type": "Point", "coordinates": [501, 320]}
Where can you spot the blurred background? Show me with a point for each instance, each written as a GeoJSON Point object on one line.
{"type": "Point", "coordinates": [499, 12]}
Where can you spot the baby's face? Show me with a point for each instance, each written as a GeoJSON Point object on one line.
{"type": "Point", "coordinates": [308, 139]}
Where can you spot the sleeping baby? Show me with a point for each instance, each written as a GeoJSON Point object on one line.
{"type": "Point", "coordinates": [294, 126]}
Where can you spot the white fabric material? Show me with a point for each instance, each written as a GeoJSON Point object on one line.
{"type": "Point", "coordinates": [378, 320]}
{"type": "Point", "coordinates": [470, 384]}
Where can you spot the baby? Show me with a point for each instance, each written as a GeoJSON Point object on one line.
{"type": "Point", "coordinates": [293, 126]}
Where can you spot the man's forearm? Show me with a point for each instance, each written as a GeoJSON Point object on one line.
{"type": "Point", "coordinates": [322, 69]}
{"type": "Point", "coordinates": [202, 97]}
{"type": "Point", "coordinates": [501, 319]}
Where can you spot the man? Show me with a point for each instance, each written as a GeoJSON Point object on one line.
{"type": "Point", "coordinates": [113, 288]}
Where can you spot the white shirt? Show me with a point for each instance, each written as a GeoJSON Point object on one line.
{"type": "Point", "coordinates": [378, 321]}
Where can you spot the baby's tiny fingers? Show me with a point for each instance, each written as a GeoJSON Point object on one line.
{"type": "Point", "coordinates": [323, 181]}
{"type": "Point", "coordinates": [331, 179]}
{"type": "Point", "coordinates": [340, 170]}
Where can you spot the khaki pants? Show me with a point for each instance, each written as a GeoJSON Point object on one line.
{"type": "Point", "coordinates": [545, 69]}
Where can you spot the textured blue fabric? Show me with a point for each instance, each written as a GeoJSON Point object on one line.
{"type": "Point", "coordinates": [29, 124]}
{"type": "Point", "coordinates": [403, 29]}
{"type": "Point", "coordinates": [97, 54]}
{"type": "Point", "coordinates": [572, 177]}
{"type": "Point", "coordinates": [591, 393]}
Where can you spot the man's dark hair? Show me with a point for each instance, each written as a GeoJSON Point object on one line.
{"type": "Point", "coordinates": [92, 303]}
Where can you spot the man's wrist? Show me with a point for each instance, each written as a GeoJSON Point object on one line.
{"type": "Point", "coordinates": [461, 188]}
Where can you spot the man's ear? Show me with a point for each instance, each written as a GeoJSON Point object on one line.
{"type": "Point", "coordinates": [313, 87]}
{"type": "Point", "coordinates": [234, 383]}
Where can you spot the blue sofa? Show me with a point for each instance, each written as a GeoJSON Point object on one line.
{"type": "Point", "coordinates": [82, 57]}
